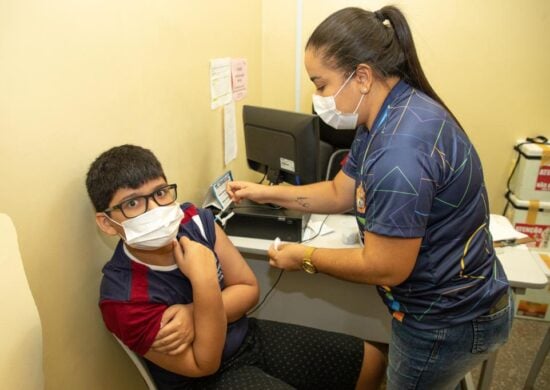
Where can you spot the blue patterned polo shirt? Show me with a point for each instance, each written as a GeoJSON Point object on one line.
{"type": "Point", "coordinates": [418, 175]}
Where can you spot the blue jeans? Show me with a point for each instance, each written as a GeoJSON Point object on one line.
{"type": "Point", "coordinates": [438, 359]}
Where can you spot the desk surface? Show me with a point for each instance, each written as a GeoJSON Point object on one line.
{"type": "Point", "coordinates": [522, 267]}
{"type": "Point", "coordinates": [336, 222]}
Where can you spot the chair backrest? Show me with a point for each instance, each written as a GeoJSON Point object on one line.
{"type": "Point", "coordinates": [140, 364]}
{"type": "Point", "coordinates": [335, 163]}
{"type": "Point", "coordinates": [21, 336]}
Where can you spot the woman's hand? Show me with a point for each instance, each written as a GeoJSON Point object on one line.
{"type": "Point", "coordinates": [239, 190]}
{"type": "Point", "coordinates": [288, 257]}
{"type": "Point", "coordinates": [176, 330]}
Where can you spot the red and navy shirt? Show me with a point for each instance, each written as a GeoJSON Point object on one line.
{"type": "Point", "coordinates": [134, 295]}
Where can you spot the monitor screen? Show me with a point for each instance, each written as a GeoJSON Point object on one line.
{"type": "Point", "coordinates": [283, 145]}
{"type": "Point", "coordinates": [339, 139]}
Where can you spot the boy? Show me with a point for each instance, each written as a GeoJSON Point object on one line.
{"type": "Point", "coordinates": [176, 291]}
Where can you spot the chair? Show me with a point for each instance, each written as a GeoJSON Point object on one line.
{"type": "Point", "coordinates": [21, 336]}
{"type": "Point", "coordinates": [335, 162]}
{"type": "Point", "coordinates": [140, 365]}
{"type": "Point", "coordinates": [538, 362]}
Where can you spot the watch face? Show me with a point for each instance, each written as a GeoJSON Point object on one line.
{"type": "Point", "coordinates": [309, 267]}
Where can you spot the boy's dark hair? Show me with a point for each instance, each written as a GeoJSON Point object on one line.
{"type": "Point", "coordinates": [125, 166]}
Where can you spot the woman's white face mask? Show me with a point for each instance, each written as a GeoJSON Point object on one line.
{"type": "Point", "coordinates": [325, 107]}
{"type": "Point", "coordinates": [154, 229]}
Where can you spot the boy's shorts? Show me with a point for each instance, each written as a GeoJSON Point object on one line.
{"type": "Point", "coordinates": [277, 355]}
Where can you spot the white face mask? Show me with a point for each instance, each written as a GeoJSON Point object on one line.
{"type": "Point", "coordinates": [325, 107]}
{"type": "Point", "coordinates": [154, 229]}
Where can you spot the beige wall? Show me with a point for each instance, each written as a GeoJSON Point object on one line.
{"type": "Point", "coordinates": [278, 53]}
{"type": "Point", "coordinates": [488, 60]}
{"type": "Point", "coordinates": [77, 77]}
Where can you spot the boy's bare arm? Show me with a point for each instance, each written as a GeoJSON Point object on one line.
{"type": "Point", "coordinates": [203, 357]}
{"type": "Point", "coordinates": [241, 290]}
{"type": "Point", "coordinates": [240, 294]}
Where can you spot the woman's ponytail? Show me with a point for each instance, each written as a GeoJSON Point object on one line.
{"type": "Point", "coordinates": [411, 70]}
{"type": "Point", "coordinates": [381, 39]}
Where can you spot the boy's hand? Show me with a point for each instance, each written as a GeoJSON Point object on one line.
{"type": "Point", "coordinates": [194, 259]}
{"type": "Point", "coordinates": [177, 330]}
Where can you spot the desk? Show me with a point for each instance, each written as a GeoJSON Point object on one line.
{"type": "Point", "coordinates": [318, 300]}
{"type": "Point", "coordinates": [324, 302]}
{"type": "Point", "coordinates": [522, 267]}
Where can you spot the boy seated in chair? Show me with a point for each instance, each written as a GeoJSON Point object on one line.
{"type": "Point", "coordinates": [176, 291]}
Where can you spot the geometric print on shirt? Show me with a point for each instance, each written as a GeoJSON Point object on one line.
{"type": "Point", "coordinates": [420, 176]}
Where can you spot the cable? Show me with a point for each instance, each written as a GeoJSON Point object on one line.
{"type": "Point", "coordinates": [267, 294]}
{"type": "Point", "coordinates": [259, 305]}
{"type": "Point", "coordinates": [263, 178]}
{"type": "Point", "coordinates": [318, 232]}
{"type": "Point", "coordinates": [517, 148]}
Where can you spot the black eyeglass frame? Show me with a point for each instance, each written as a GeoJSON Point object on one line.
{"type": "Point", "coordinates": [167, 187]}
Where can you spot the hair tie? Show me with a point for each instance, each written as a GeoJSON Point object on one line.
{"type": "Point", "coordinates": [379, 16]}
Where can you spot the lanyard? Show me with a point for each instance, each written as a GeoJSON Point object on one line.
{"type": "Point", "coordinates": [382, 116]}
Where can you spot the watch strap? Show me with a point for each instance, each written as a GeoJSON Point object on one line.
{"type": "Point", "coordinates": [309, 252]}
{"type": "Point", "coordinates": [307, 264]}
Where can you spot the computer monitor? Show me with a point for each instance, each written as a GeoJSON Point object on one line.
{"type": "Point", "coordinates": [338, 139]}
{"type": "Point", "coordinates": [283, 145]}
{"type": "Point", "coordinates": [339, 142]}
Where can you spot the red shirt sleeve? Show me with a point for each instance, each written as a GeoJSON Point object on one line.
{"type": "Point", "coordinates": [135, 324]}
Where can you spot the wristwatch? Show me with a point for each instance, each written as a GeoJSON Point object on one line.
{"type": "Point", "coordinates": [307, 265]}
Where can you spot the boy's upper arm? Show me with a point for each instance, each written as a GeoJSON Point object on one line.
{"type": "Point", "coordinates": [235, 268]}
{"type": "Point", "coordinates": [135, 324]}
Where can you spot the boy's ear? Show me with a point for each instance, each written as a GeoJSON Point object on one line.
{"type": "Point", "coordinates": [105, 224]}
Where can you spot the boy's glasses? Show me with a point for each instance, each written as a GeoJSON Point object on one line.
{"type": "Point", "coordinates": [134, 207]}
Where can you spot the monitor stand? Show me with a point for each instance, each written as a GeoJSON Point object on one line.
{"type": "Point", "coordinates": [266, 221]}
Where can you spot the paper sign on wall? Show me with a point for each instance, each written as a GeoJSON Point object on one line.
{"type": "Point", "coordinates": [228, 83]}
{"type": "Point", "coordinates": [239, 78]}
{"type": "Point", "coordinates": [220, 82]}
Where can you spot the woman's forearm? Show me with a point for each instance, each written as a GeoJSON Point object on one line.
{"type": "Point", "coordinates": [322, 197]}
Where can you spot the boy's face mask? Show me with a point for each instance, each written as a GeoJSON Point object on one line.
{"type": "Point", "coordinates": [154, 229]}
{"type": "Point", "coordinates": [325, 107]}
